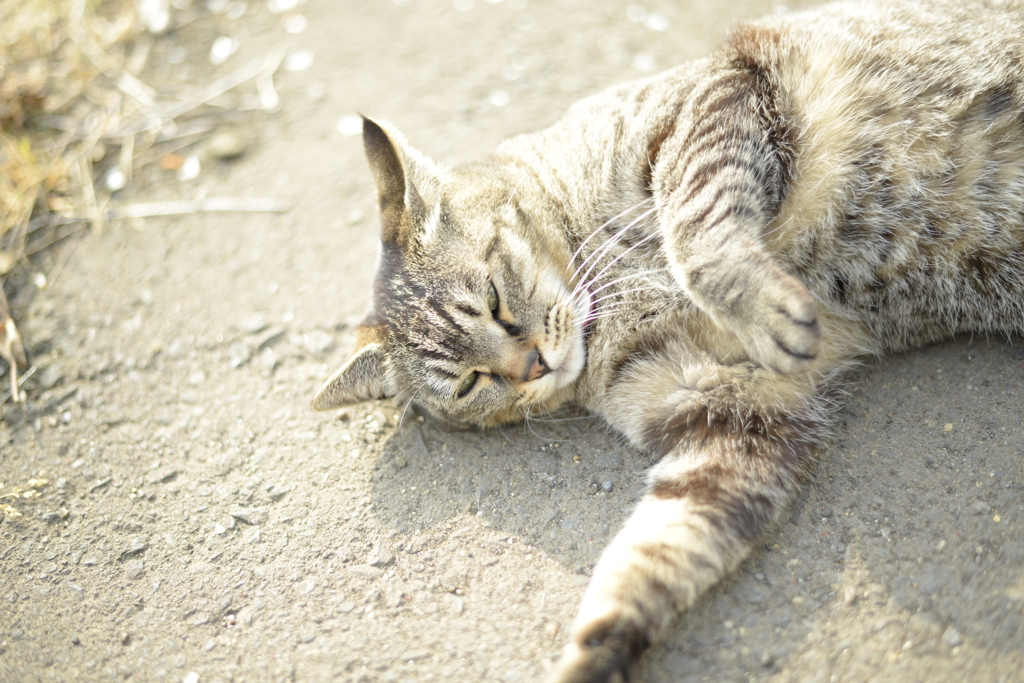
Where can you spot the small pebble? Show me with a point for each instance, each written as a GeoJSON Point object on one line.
{"type": "Point", "coordinates": [278, 491]}
{"type": "Point", "coordinates": [162, 475]}
{"type": "Point", "coordinates": [266, 362]}
{"type": "Point", "coordinates": [952, 637]}
{"type": "Point", "coordinates": [251, 324]}
{"type": "Point", "coordinates": [134, 569]}
{"type": "Point", "coordinates": [454, 603]}
{"type": "Point", "coordinates": [191, 677]}
{"type": "Point", "coordinates": [238, 354]}
{"type": "Point", "coordinates": [367, 572]}
{"type": "Point", "coordinates": [318, 342]}
{"type": "Point", "coordinates": [253, 516]}
{"type": "Point", "coordinates": [381, 555]}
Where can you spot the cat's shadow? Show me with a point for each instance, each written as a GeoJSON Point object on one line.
{"type": "Point", "coordinates": [881, 548]}
{"type": "Point", "coordinates": [563, 484]}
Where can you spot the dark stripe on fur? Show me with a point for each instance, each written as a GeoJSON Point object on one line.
{"type": "Point", "coordinates": [753, 463]}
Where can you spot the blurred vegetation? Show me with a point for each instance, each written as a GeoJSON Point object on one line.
{"type": "Point", "coordinates": [64, 85]}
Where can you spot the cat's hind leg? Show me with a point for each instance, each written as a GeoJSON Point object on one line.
{"type": "Point", "coordinates": [718, 177]}
{"type": "Point", "coordinates": [725, 478]}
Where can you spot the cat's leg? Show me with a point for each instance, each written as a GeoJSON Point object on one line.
{"type": "Point", "coordinates": [726, 476]}
{"type": "Point", "coordinates": [718, 176]}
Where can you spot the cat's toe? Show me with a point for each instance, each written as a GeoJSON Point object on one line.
{"type": "Point", "coordinates": [794, 347]}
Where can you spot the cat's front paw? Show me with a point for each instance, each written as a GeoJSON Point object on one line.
{"type": "Point", "coordinates": [770, 312]}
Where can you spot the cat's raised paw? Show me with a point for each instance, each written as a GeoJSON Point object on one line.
{"type": "Point", "coordinates": [779, 328]}
{"type": "Point", "coordinates": [770, 312]}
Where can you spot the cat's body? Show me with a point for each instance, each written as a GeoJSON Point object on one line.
{"type": "Point", "coordinates": [697, 256]}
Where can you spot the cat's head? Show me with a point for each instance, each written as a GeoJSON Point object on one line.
{"type": "Point", "coordinates": [472, 316]}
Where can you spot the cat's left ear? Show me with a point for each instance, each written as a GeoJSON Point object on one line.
{"type": "Point", "coordinates": [407, 182]}
{"type": "Point", "coordinates": [363, 377]}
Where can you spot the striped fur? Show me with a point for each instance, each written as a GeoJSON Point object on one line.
{"type": "Point", "coordinates": [698, 257]}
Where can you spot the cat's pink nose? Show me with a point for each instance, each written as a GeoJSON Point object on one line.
{"type": "Point", "coordinates": [535, 366]}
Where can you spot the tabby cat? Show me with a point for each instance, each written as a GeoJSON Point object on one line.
{"type": "Point", "coordinates": [697, 257]}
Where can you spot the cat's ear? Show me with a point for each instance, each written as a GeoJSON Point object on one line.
{"type": "Point", "coordinates": [407, 182]}
{"type": "Point", "coordinates": [363, 377]}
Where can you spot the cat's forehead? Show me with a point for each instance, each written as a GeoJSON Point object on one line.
{"type": "Point", "coordinates": [481, 196]}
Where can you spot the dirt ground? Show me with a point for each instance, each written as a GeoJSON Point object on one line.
{"type": "Point", "coordinates": [203, 524]}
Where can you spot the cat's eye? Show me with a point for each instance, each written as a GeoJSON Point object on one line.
{"type": "Point", "coordinates": [468, 383]}
{"type": "Point", "coordinates": [492, 298]}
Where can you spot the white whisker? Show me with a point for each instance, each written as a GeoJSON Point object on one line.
{"type": "Point", "coordinates": [601, 251]}
{"type": "Point", "coordinates": [622, 293]}
{"type": "Point", "coordinates": [631, 276]}
{"type": "Point", "coordinates": [601, 227]}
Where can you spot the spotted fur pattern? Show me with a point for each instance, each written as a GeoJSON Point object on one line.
{"type": "Point", "coordinates": [697, 257]}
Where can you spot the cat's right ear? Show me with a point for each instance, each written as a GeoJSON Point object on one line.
{"type": "Point", "coordinates": [403, 178]}
{"type": "Point", "coordinates": [363, 377]}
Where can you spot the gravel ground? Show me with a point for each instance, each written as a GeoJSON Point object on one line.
{"type": "Point", "coordinates": [202, 524]}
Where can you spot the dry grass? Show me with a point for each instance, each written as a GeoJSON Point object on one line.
{"type": "Point", "coordinates": [30, 489]}
{"type": "Point", "coordinates": [62, 83]}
